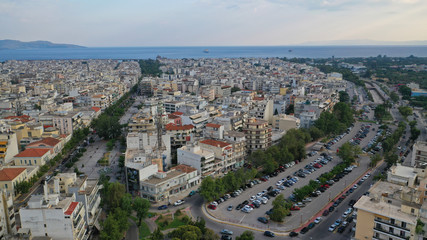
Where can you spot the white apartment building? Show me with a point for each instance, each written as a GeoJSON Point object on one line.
{"type": "Point", "coordinates": [262, 109]}
{"type": "Point", "coordinates": [419, 154]}
{"type": "Point", "coordinates": [8, 144]}
{"type": "Point", "coordinates": [68, 123]}
{"type": "Point", "coordinates": [100, 100]}
{"type": "Point", "coordinates": [201, 159]}
{"type": "Point", "coordinates": [53, 216]}
{"type": "Point", "coordinates": [7, 215]}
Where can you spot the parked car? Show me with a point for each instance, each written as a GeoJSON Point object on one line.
{"type": "Point", "coordinates": [211, 206]}
{"type": "Point", "coordinates": [230, 208]}
{"type": "Point", "coordinates": [163, 207]}
{"type": "Point", "coordinates": [263, 220]}
{"type": "Point", "coordinates": [269, 234]}
{"type": "Point", "coordinates": [226, 237]}
{"type": "Point", "coordinates": [293, 234]}
{"type": "Point", "coordinates": [318, 219]}
{"type": "Point", "coordinates": [179, 202]}
{"type": "Point", "coordinates": [304, 230]}
{"type": "Point", "coordinates": [226, 232]}
{"type": "Point", "coordinates": [325, 213]}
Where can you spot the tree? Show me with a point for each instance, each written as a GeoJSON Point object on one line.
{"type": "Point", "coordinates": [110, 229]}
{"type": "Point", "coordinates": [344, 97]}
{"type": "Point", "coordinates": [405, 111]}
{"type": "Point", "coordinates": [394, 97]}
{"type": "Point", "coordinates": [157, 235]}
{"type": "Point", "coordinates": [114, 194]}
{"type": "Point", "coordinates": [141, 206]}
{"type": "Point", "coordinates": [126, 203]}
{"type": "Point", "coordinates": [375, 159]}
{"type": "Point", "coordinates": [209, 234]}
{"type": "Point", "coordinates": [405, 91]}
{"type": "Point", "coordinates": [380, 111]}
{"type": "Point", "coordinates": [186, 232]}
{"type": "Point", "coordinates": [107, 127]}
{"type": "Point", "coordinates": [122, 219]}
{"type": "Point", "coordinates": [207, 189]}
{"type": "Point", "coordinates": [348, 152]}
{"type": "Point", "coordinates": [246, 235]}
{"type": "Point", "coordinates": [315, 133]}
{"type": "Point", "coordinates": [391, 158]}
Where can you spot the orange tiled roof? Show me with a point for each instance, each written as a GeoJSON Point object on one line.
{"type": "Point", "coordinates": [185, 168]}
{"type": "Point", "coordinates": [215, 143]}
{"type": "Point", "coordinates": [172, 116]}
{"type": "Point", "coordinates": [8, 174]}
{"type": "Point", "coordinates": [50, 141]}
{"type": "Point", "coordinates": [178, 113]}
{"type": "Point", "coordinates": [33, 152]}
{"type": "Point", "coordinates": [71, 208]}
{"type": "Point", "coordinates": [173, 127]}
{"type": "Point", "coordinates": [213, 125]}
{"type": "Point", "coordinates": [96, 109]}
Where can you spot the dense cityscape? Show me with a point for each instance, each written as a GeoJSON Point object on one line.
{"type": "Point", "coordinates": [213, 148]}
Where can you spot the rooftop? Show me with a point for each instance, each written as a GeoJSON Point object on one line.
{"type": "Point", "coordinates": [8, 174]}
{"type": "Point", "coordinates": [184, 168]}
{"type": "Point", "coordinates": [421, 146]}
{"type": "Point", "coordinates": [169, 175]}
{"type": "Point", "coordinates": [33, 152]}
{"type": "Point", "coordinates": [50, 141]}
{"type": "Point", "coordinates": [371, 205]}
{"type": "Point", "coordinates": [215, 143]}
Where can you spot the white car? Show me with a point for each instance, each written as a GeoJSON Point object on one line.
{"type": "Point", "coordinates": [252, 198]}
{"type": "Point", "coordinates": [318, 220]}
{"type": "Point", "coordinates": [179, 202]}
{"type": "Point", "coordinates": [259, 194]}
{"type": "Point", "coordinates": [332, 228]}
{"type": "Point", "coordinates": [307, 200]}
{"type": "Point", "coordinates": [279, 183]}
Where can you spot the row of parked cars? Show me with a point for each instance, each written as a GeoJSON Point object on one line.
{"type": "Point", "coordinates": [339, 137]}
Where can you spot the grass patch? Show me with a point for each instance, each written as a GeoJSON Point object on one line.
{"type": "Point", "coordinates": [166, 222]}
{"type": "Point", "coordinates": [144, 231]}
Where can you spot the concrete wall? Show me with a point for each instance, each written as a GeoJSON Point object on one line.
{"type": "Point", "coordinates": [365, 225]}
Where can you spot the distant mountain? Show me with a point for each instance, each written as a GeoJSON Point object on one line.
{"type": "Point", "coordinates": [364, 42]}
{"type": "Point", "coordinates": [15, 44]}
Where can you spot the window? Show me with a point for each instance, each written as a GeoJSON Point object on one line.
{"type": "Point", "coordinates": [392, 221]}
{"type": "Point", "coordinates": [391, 230]}
{"type": "Point", "coordinates": [412, 210]}
{"type": "Point", "coordinates": [404, 224]}
{"type": "Point", "coordinates": [402, 233]}
{"type": "Point", "coordinates": [5, 185]}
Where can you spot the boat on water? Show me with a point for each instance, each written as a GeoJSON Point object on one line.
{"type": "Point", "coordinates": [290, 50]}
{"type": "Point", "coordinates": [206, 51]}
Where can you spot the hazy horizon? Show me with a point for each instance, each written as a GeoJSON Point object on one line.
{"type": "Point", "coordinates": [133, 23]}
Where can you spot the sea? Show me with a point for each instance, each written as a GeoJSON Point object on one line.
{"type": "Point", "coordinates": [212, 52]}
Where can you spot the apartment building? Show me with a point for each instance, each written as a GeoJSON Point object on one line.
{"type": "Point", "coordinates": [258, 134]}
{"type": "Point", "coordinates": [68, 123]}
{"type": "Point", "coordinates": [7, 215]}
{"type": "Point", "coordinates": [214, 131]}
{"type": "Point", "coordinates": [224, 156]}
{"type": "Point", "coordinates": [285, 122]}
{"type": "Point", "coordinates": [238, 141]}
{"type": "Point", "coordinates": [389, 212]}
{"type": "Point", "coordinates": [419, 154]}
{"type": "Point", "coordinates": [54, 216]}
{"type": "Point", "coordinates": [142, 122]}
{"type": "Point", "coordinates": [172, 106]}
{"type": "Point", "coordinates": [8, 144]}
{"type": "Point", "coordinates": [100, 100]}
{"type": "Point", "coordinates": [180, 134]}
{"type": "Point", "coordinates": [87, 192]}
{"type": "Point", "coordinates": [201, 159]}
{"type": "Point", "coordinates": [262, 108]}
{"type": "Point", "coordinates": [54, 144]}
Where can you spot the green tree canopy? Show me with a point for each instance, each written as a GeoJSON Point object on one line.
{"type": "Point", "coordinates": [246, 235]}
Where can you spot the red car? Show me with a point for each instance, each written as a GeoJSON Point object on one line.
{"type": "Point", "coordinates": [211, 206]}
{"type": "Point", "coordinates": [295, 208]}
{"type": "Point", "coordinates": [263, 179]}
{"type": "Point", "coordinates": [317, 165]}
{"type": "Point", "coordinates": [325, 186]}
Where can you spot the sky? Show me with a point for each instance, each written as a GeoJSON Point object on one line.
{"type": "Point", "coordinates": [126, 23]}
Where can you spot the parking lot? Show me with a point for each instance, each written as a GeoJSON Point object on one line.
{"type": "Point", "coordinates": [305, 214]}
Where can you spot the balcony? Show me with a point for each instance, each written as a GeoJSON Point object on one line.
{"type": "Point", "coordinates": [388, 223]}
{"type": "Point", "coordinates": [385, 232]}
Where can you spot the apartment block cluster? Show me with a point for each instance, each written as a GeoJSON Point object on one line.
{"type": "Point", "coordinates": [395, 209]}
{"type": "Point", "coordinates": [41, 104]}
{"type": "Point", "coordinates": [212, 113]}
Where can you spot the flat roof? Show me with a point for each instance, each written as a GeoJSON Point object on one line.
{"type": "Point", "coordinates": [368, 204]}
{"type": "Point", "coordinates": [169, 175]}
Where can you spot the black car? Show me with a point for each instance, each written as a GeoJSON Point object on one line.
{"type": "Point", "coordinates": [269, 234]}
{"type": "Point", "coordinates": [341, 229]}
{"type": "Point", "coordinates": [240, 206]}
{"type": "Point", "coordinates": [331, 209]}
{"type": "Point", "coordinates": [311, 225]}
{"type": "Point", "coordinates": [226, 237]}
{"type": "Point", "coordinates": [336, 204]}
{"type": "Point", "coordinates": [304, 230]}
{"type": "Point", "coordinates": [246, 202]}
{"type": "Point", "coordinates": [270, 188]}
{"type": "Point", "coordinates": [263, 220]}
{"type": "Point", "coordinates": [350, 219]}
{"type": "Point", "coordinates": [293, 234]}
{"type": "Point", "coordinates": [352, 202]}
{"type": "Point", "coordinates": [325, 213]}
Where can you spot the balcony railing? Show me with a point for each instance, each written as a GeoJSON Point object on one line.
{"type": "Point", "coordinates": [391, 224]}
{"type": "Point", "coordinates": [383, 231]}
